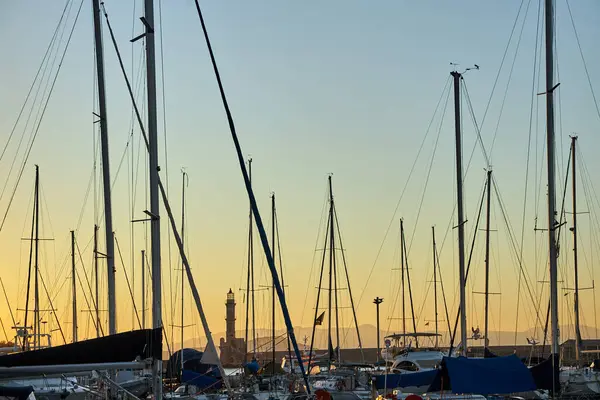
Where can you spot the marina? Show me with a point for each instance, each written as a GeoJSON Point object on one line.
{"type": "Point", "coordinates": [456, 262]}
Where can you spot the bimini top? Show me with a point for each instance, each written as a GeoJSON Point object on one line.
{"type": "Point", "coordinates": [412, 334]}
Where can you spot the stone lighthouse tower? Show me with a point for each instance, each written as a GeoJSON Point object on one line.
{"type": "Point", "coordinates": [230, 316]}
{"type": "Point", "coordinates": [232, 349]}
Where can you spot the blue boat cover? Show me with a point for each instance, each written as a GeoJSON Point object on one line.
{"type": "Point", "coordinates": [17, 392]}
{"type": "Point", "coordinates": [202, 381]}
{"type": "Point", "coordinates": [498, 375]}
{"type": "Point", "coordinates": [409, 379]}
{"type": "Point", "coordinates": [252, 367]}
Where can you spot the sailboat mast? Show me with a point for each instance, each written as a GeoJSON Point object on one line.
{"type": "Point", "coordinates": [97, 284]}
{"type": "Point", "coordinates": [26, 343]}
{"type": "Point", "coordinates": [36, 311]}
{"type": "Point", "coordinates": [110, 248]}
{"type": "Point", "coordinates": [289, 344]}
{"type": "Point", "coordinates": [460, 225]}
{"type": "Point", "coordinates": [550, 145]}
{"type": "Point", "coordinates": [183, 177]}
{"type": "Point", "coordinates": [487, 261]}
{"type": "Point", "coordinates": [435, 303]}
{"type": "Point", "coordinates": [336, 299]}
{"type": "Point", "coordinates": [251, 265]}
{"type": "Point", "coordinates": [247, 301]}
{"type": "Point", "coordinates": [575, 266]}
{"type": "Point", "coordinates": [402, 277]}
{"type": "Point", "coordinates": [143, 289]}
{"type": "Point", "coordinates": [273, 286]}
{"type": "Point", "coordinates": [73, 286]}
{"type": "Point", "coordinates": [331, 251]}
{"type": "Point", "coordinates": [410, 297]}
{"type": "Point", "coordinates": [154, 181]}
{"type": "Point", "coordinates": [335, 279]}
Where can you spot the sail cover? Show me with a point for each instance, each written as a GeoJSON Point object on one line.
{"type": "Point", "coordinates": [546, 374]}
{"type": "Point", "coordinates": [122, 347]}
{"type": "Point", "coordinates": [498, 375]}
{"type": "Point", "coordinates": [12, 392]}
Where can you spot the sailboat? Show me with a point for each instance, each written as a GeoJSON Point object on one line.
{"type": "Point", "coordinates": [581, 380]}
{"type": "Point", "coordinates": [423, 369]}
{"type": "Point", "coordinates": [329, 372]}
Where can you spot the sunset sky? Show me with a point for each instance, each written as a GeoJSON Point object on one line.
{"type": "Point", "coordinates": [341, 87]}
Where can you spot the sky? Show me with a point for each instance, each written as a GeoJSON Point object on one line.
{"type": "Point", "coordinates": [346, 88]}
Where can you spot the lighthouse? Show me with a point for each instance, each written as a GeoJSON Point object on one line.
{"type": "Point", "coordinates": [232, 348]}
{"type": "Point", "coordinates": [230, 316]}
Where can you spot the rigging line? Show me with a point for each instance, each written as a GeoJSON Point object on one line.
{"type": "Point", "coordinates": [29, 267]}
{"type": "Point", "coordinates": [49, 66]}
{"type": "Point", "coordinates": [257, 218]}
{"type": "Point", "coordinates": [52, 308]}
{"type": "Point", "coordinates": [149, 270]}
{"type": "Point", "coordinates": [437, 256]}
{"type": "Point", "coordinates": [512, 242]}
{"type": "Point", "coordinates": [391, 307]}
{"type": "Point", "coordinates": [472, 234]}
{"type": "Point", "coordinates": [312, 263]}
{"type": "Point", "coordinates": [89, 286]}
{"type": "Point", "coordinates": [594, 223]}
{"type": "Point", "coordinates": [139, 119]}
{"type": "Point", "coordinates": [412, 308]}
{"type": "Point", "coordinates": [34, 80]}
{"type": "Point", "coordinates": [529, 135]}
{"type": "Point", "coordinates": [12, 316]}
{"type": "Point", "coordinates": [164, 110]}
{"type": "Point", "coordinates": [112, 186]}
{"type": "Point", "coordinates": [412, 168]}
{"type": "Point", "coordinates": [289, 345]}
{"type": "Point", "coordinates": [31, 111]}
{"type": "Point", "coordinates": [314, 324]}
{"type": "Point", "coordinates": [518, 301]}
{"type": "Point", "coordinates": [85, 199]}
{"type": "Point", "coordinates": [562, 208]}
{"type": "Point", "coordinates": [337, 224]}
{"type": "Point", "coordinates": [84, 294]}
{"type": "Point", "coordinates": [474, 120]}
{"type": "Point", "coordinates": [45, 203]}
{"type": "Point", "coordinates": [512, 67]}
{"type": "Point", "coordinates": [435, 147]}
{"type": "Point", "coordinates": [39, 122]}
{"type": "Point", "coordinates": [593, 194]}
{"type": "Point", "coordinates": [120, 59]}
{"type": "Point", "coordinates": [423, 303]}
{"type": "Point", "coordinates": [127, 279]}
{"type": "Point", "coordinates": [280, 259]}
{"type": "Point", "coordinates": [4, 330]}
{"type": "Point", "coordinates": [475, 228]}
{"type": "Point", "coordinates": [25, 221]}
{"type": "Point", "coordinates": [512, 31]}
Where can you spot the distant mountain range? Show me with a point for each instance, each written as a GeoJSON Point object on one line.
{"type": "Point", "coordinates": [368, 335]}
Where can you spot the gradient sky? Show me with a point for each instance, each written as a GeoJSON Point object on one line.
{"type": "Point", "coordinates": [342, 87]}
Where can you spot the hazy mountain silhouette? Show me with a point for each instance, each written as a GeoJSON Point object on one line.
{"type": "Point", "coordinates": [368, 334]}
